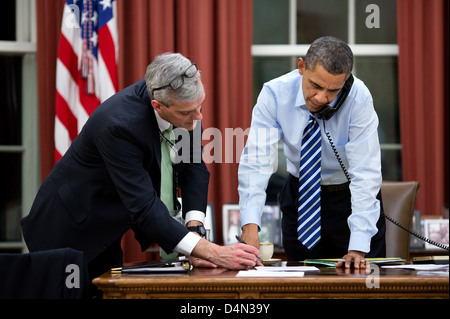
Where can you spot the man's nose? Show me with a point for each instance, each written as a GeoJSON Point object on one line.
{"type": "Point", "coordinates": [322, 97]}
{"type": "Point", "coordinates": [197, 115]}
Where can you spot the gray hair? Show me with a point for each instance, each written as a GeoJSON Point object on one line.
{"type": "Point", "coordinates": [333, 54]}
{"type": "Point", "coordinates": [163, 69]}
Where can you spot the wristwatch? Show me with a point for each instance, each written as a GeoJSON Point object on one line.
{"type": "Point", "coordinates": [198, 229]}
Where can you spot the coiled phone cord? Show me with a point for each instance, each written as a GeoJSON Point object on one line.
{"type": "Point", "coordinates": [389, 218]}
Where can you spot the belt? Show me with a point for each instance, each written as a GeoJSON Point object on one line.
{"type": "Point", "coordinates": [334, 188]}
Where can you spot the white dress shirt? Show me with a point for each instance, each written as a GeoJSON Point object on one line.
{"type": "Point", "coordinates": [281, 113]}
{"type": "Point", "coordinates": [187, 244]}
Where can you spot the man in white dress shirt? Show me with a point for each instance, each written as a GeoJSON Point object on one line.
{"type": "Point", "coordinates": [351, 224]}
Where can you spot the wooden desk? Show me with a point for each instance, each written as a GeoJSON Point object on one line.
{"type": "Point", "coordinates": [220, 283]}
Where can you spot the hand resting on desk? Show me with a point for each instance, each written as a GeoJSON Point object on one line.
{"type": "Point", "coordinates": [357, 257]}
{"type": "Point", "coordinates": [237, 256]}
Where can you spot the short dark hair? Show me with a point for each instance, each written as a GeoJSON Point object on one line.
{"type": "Point", "coordinates": [333, 54]}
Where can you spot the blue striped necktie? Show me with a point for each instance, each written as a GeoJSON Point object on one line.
{"type": "Point", "coordinates": [308, 230]}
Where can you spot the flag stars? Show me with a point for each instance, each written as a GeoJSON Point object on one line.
{"type": "Point", "coordinates": [85, 18]}
{"type": "Point", "coordinates": [94, 18]}
{"type": "Point", "coordinates": [106, 4]}
{"type": "Point", "coordinates": [94, 39]}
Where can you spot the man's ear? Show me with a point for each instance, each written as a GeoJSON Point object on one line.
{"type": "Point", "coordinates": [156, 105]}
{"type": "Point", "coordinates": [301, 66]}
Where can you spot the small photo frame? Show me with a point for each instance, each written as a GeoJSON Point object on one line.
{"type": "Point", "coordinates": [417, 228]}
{"type": "Point", "coordinates": [231, 223]}
{"type": "Point", "coordinates": [210, 222]}
{"type": "Point", "coordinates": [437, 231]}
{"type": "Point", "coordinates": [270, 224]}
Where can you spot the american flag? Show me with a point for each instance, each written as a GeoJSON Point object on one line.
{"type": "Point", "coordinates": [86, 70]}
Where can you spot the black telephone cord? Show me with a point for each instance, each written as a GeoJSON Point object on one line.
{"type": "Point", "coordinates": [389, 218]}
{"type": "Point", "coordinates": [414, 233]}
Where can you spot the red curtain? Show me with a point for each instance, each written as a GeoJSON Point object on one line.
{"type": "Point", "coordinates": [423, 90]}
{"type": "Point", "coordinates": [48, 19]}
{"type": "Point", "coordinates": [215, 34]}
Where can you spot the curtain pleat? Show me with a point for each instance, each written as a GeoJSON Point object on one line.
{"type": "Point", "coordinates": [423, 82]}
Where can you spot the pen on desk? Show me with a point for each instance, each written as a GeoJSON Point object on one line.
{"type": "Point", "coordinates": [243, 242]}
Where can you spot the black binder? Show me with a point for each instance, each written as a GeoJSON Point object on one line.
{"type": "Point", "coordinates": [172, 266]}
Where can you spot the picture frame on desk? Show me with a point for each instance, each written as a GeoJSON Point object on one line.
{"type": "Point", "coordinates": [437, 230]}
{"type": "Point", "coordinates": [231, 223]}
{"type": "Point", "coordinates": [417, 228]}
{"type": "Point", "coordinates": [270, 224]}
{"type": "Point", "coordinates": [210, 222]}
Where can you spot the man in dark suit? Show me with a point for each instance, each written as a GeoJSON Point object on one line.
{"type": "Point", "coordinates": [109, 179]}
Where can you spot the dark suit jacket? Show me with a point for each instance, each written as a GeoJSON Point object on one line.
{"type": "Point", "coordinates": [109, 181]}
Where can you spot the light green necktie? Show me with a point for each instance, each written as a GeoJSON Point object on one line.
{"type": "Point", "coordinates": [167, 171]}
{"type": "Point", "coordinates": [166, 193]}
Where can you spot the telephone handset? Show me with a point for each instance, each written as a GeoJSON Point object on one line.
{"type": "Point", "coordinates": [325, 114]}
{"type": "Point", "coordinates": [327, 111]}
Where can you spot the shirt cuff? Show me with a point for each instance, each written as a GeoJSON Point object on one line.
{"type": "Point", "coordinates": [187, 244]}
{"type": "Point", "coordinates": [195, 215]}
{"type": "Point", "coordinates": [359, 241]}
{"type": "Point", "coordinates": [251, 216]}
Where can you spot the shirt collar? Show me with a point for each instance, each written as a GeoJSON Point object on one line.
{"type": "Point", "coordinates": [300, 100]}
{"type": "Point", "coordinates": [162, 124]}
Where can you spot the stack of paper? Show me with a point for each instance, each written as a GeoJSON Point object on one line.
{"type": "Point", "coordinates": [428, 267]}
{"type": "Point", "coordinates": [295, 271]}
{"type": "Point", "coordinates": [332, 261]}
{"type": "Point", "coordinates": [424, 269]}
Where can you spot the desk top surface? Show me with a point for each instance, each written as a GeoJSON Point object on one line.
{"type": "Point", "coordinates": [329, 282]}
{"type": "Point", "coordinates": [325, 275]}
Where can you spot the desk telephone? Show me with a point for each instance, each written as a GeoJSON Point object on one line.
{"type": "Point", "coordinates": [325, 114]}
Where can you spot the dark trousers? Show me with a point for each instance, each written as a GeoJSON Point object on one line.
{"type": "Point", "coordinates": [335, 233]}
{"type": "Point", "coordinates": [110, 258]}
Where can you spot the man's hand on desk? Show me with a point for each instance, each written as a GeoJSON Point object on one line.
{"type": "Point", "coordinates": [357, 257]}
{"type": "Point", "coordinates": [201, 263]}
{"type": "Point", "coordinates": [237, 256]}
{"type": "Point", "coordinates": [198, 262]}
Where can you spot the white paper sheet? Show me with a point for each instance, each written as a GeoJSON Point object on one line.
{"type": "Point", "coordinates": [288, 269]}
{"type": "Point", "coordinates": [421, 267]}
{"type": "Point", "coordinates": [257, 273]}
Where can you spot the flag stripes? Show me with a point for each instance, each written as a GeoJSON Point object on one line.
{"type": "Point", "coordinates": [94, 23]}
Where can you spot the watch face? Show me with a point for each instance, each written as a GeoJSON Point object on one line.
{"type": "Point", "coordinates": [198, 229]}
{"type": "Point", "coordinates": [201, 230]}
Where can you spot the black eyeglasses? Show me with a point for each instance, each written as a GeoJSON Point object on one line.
{"type": "Point", "coordinates": [178, 82]}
